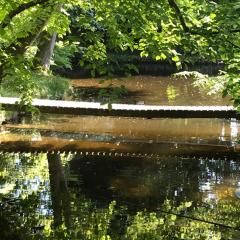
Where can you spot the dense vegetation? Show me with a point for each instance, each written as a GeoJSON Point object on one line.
{"type": "Point", "coordinates": [38, 36]}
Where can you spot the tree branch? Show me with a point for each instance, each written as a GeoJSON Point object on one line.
{"type": "Point", "coordinates": [175, 7]}
{"type": "Point", "coordinates": [20, 9]}
{"type": "Point", "coordinates": [186, 29]}
{"type": "Point", "coordinates": [233, 44]}
{"type": "Point", "coordinates": [20, 45]}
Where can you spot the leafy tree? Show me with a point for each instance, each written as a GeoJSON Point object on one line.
{"type": "Point", "coordinates": [179, 31]}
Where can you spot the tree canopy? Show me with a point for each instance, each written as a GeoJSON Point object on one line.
{"type": "Point", "coordinates": [181, 32]}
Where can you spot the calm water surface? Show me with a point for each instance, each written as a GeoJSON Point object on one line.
{"type": "Point", "coordinates": [151, 90]}
{"type": "Point", "coordinates": [91, 197]}
{"type": "Point", "coordinates": [102, 178]}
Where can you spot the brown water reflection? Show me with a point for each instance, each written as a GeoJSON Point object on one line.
{"type": "Point", "coordinates": [155, 91]}
{"type": "Point", "coordinates": [133, 129]}
{"type": "Point", "coordinates": [67, 129]}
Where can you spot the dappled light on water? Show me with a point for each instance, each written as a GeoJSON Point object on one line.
{"type": "Point", "coordinates": [150, 90]}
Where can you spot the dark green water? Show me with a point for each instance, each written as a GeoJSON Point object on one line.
{"type": "Point", "coordinates": [71, 196]}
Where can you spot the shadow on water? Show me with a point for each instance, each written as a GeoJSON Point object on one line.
{"type": "Point", "coordinates": [146, 184]}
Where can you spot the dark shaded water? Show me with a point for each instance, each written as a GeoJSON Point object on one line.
{"type": "Point", "coordinates": [86, 197]}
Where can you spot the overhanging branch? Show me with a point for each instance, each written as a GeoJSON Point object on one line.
{"type": "Point", "coordinates": [175, 7]}
{"type": "Point", "coordinates": [233, 44]}
{"type": "Point", "coordinates": [186, 29]}
{"type": "Point", "coordinates": [20, 9]}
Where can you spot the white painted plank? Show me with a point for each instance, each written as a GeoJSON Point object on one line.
{"type": "Point", "coordinates": [130, 110]}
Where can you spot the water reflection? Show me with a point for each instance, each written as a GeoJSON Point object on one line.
{"type": "Point", "coordinates": [237, 191]}
{"type": "Point", "coordinates": [85, 197]}
{"type": "Point", "coordinates": [146, 184]}
{"type": "Point", "coordinates": [127, 129]}
{"type": "Point", "coordinates": [25, 195]}
{"type": "Point", "coordinates": [59, 191]}
{"type": "Point", "coordinates": [128, 180]}
{"type": "Point", "coordinates": [151, 90]}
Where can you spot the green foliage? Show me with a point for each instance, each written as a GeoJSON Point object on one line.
{"type": "Point", "coordinates": [233, 81]}
{"type": "Point", "coordinates": [21, 26]}
{"type": "Point", "coordinates": [177, 31]}
{"type": "Point", "coordinates": [169, 226]}
{"type": "Point", "coordinates": [36, 84]}
{"type": "Point", "coordinates": [210, 84]}
{"type": "Point", "coordinates": [17, 80]}
{"type": "Point", "coordinates": [51, 86]}
{"type": "Point", "coordinates": [90, 223]}
{"type": "Point", "coordinates": [63, 53]}
{"type": "Point", "coordinates": [233, 88]}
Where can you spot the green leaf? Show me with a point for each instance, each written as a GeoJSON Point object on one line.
{"type": "Point", "coordinates": [81, 62]}
{"type": "Point", "coordinates": [188, 204]}
{"type": "Point", "coordinates": [175, 58]}
{"type": "Point", "coordinates": [213, 16]}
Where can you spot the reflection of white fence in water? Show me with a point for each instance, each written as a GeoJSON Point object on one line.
{"type": "Point", "coordinates": [120, 149]}
{"type": "Point", "coordinates": [124, 110]}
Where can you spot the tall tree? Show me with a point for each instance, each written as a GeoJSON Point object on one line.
{"type": "Point", "coordinates": [178, 31]}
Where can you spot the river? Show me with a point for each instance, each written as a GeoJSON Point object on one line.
{"type": "Point", "coordinates": [83, 177]}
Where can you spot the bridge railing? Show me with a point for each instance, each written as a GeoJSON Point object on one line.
{"type": "Point", "coordinates": [124, 110]}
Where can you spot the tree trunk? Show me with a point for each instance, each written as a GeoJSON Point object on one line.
{"type": "Point", "coordinates": [1, 73]}
{"type": "Point", "coordinates": [59, 191]}
{"type": "Point", "coordinates": [46, 51]}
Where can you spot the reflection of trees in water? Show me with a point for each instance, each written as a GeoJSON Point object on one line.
{"type": "Point", "coordinates": [173, 178]}
{"type": "Point", "coordinates": [59, 190]}
{"type": "Point", "coordinates": [140, 183]}
{"type": "Point", "coordinates": [89, 220]}
{"type": "Point", "coordinates": [24, 204]}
